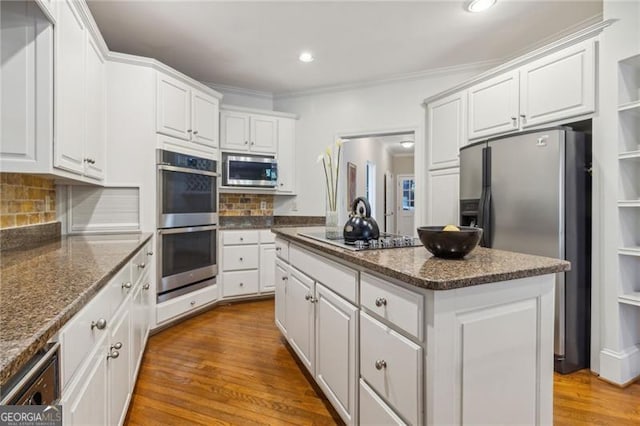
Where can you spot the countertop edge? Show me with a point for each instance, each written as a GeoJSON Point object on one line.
{"type": "Point", "coordinates": [427, 284]}
{"type": "Point", "coordinates": [54, 325]}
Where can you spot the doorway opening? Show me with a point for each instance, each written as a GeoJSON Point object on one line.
{"type": "Point", "coordinates": [372, 164]}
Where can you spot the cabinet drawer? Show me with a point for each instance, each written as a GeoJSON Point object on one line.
{"type": "Point", "coordinates": [392, 365]}
{"type": "Point", "coordinates": [78, 338]}
{"type": "Point", "coordinates": [240, 282]}
{"type": "Point", "coordinates": [189, 302]}
{"type": "Point", "coordinates": [373, 410]}
{"type": "Point", "coordinates": [230, 238]}
{"type": "Point", "coordinates": [282, 249]}
{"type": "Point", "coordinates": [336, 277]}
{"type": "Point", "coordinates": [237, 258]}
{"type": "Point", "coordinates": [267, 237]}
{"type": "Point", "coordinates": [401, 307]}
{"type": "Point", "coordinates": [118, 289]}
{"type": "Point", "coordinates": [139, 264]}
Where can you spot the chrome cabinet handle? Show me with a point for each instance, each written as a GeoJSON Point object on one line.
{"type": "Point", "coordinates": [113, 354]}
{"type": "Point", "coordinates": [308, 296]}
{"type": "Point", "coordinates": [116, 346]}
{"type": "Point", "coordinates": [149, 253]}
{"type": "Point", "coordinates": [515, 121]}
{"type": "Point", "coordinates": [195, 132]}
{"type": "Point", "coordinates": [126, 285]}
{"type": "Point", "coordinates": [189, 131]}
{"type": "Point", "coordinates": [278, 248]}
{"type": "Point", "coordinates": [285, 278]}
{"type": "Point", "coordinates": [380, 364]}
{"type": "Point", "coordinates": [381, 301]}
{"type": "Point", "coordinates": [142, 265]}
{"type": "Point", "coordinates": [100, 324]}
{"type": "Point", "coordinates": [146, 286]}
{"type": "Point", "coordinates": [193, 303]}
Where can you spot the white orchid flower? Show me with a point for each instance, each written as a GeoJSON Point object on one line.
{"type": "Point", "coordinates": [320, 158]}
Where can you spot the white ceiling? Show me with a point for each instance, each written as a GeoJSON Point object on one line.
{"type": "Point", "coordinates": [255, 45]}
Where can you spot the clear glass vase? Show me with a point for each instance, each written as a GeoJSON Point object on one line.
{"type": "Point", "coordinates": [333, 230]}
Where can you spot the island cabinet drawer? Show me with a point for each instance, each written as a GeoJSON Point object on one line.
{"type": "Point", "coordinates": [237, 258]}
{"type": "Point", "coordinates": [240, 282]}
{"type": "Point", "coordinates": [232, 238]}
{"type": "Point", "coordinates": [138, 266]}
{"type": "Point", "coordinates": [373, 410]}
{"type": "Point", "coordinates": [267, 237]}
{"type": "Point", "coordinates": [189, 302]}
{"type": "Point", "coordinates": [333, 275]}
{"type": "Point", "coordinates": [80, 335]}
{"type": "Point", "coordinates": [392, 365]}
{"type": "Point", "coordinates": [119, 288]}
{"type": "Point", "coordinates": [282, 249]}
{"type": "Point", "coordinates": [400, 307]}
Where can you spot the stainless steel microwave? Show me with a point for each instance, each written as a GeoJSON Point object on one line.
{"type": "Point", "coordinates": [251, 171]}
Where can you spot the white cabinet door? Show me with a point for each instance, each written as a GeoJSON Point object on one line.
{"type": "Point", "coordinates": [69, 89]}
{"type": "Point", "coordinates": [493, 106]}
{"type": "Point", "coordinates": [148, 306]}
{"type": "Point", "coordinates": [267, 267]}
{"type": "Point", "coordinates": [336, 339]}
{"type": "Point", "coordinates": [558, 86]}
{"type": "Point", "coordinates": [286, 156]}
{"type": "Point", "coordinates": [299, 312]}
{"type": "Point", "coordinates": [443, 197]}
{"type": "Point", "coordinates": [264, 134]}
{"type": "Point", "coordinates": [204, 119]}
{"type": "Point", "coordinates": [95, 111]}
{"type": "Point", "coordinates": [234, 131]}
{"type": "Point", "coordinates": [137, 333]}
{"type": "Point", "coordinates": [281, 277]}
{"type": "Point", "coordinates": [446, 121]}
{"type": "Point", "coordinates": [118, 366]}
{"type": "Point", "coordinates": [88, 404]}
{"type": "Point", "coordinates": [173, 108]}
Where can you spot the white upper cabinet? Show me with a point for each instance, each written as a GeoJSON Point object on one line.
{"type": "Point", "coordinates": [559, 85]}
{"type": "Point", "coordinates": [95, 111]}
{"type": "Point", "coordinates": [493, 106]}
{"type": "Point", "coordinates": [446, 126]}
{"type": "Point", "coordinates": [443, 197]}
{"type": "Point", "coordinates": [242, 132]}
{"type": "Point", "coordinates": [70, 89]}
{"type": "Point", "coordinates": [286, 156]}
{"type": "Point", "coordinates": [174, 108]}
{"type": "Point", "coordinates": [186, 113]}
{"type": "Point", "coordinates": [204, 119]}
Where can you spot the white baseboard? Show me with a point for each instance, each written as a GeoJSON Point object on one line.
{"type": "Point", "coordinates": [620, 367]}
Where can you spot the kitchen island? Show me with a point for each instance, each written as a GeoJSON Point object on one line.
{"type": "Point", "coordinates": [398, 336]}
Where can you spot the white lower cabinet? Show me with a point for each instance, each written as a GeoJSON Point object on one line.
{"type": "Point", "coordinates": [299, 309]}
{"type": "Point", "coordinates": [237, 283]}
{"type": "Point", "coordinates": [267, 265]}
{"type": "Point", "coordinates": [336, 333]}
{"type": "Point", "coordinates": [373, 410]}
{"type": "Point", "coordinates": [118, 366]}
{"type": "Point", "coordinates": [281, 278]}
{"type": "Point", "coordinates": [176, 307]}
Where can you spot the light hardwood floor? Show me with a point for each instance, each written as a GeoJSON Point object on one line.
{"type": "Point", "coordinates": [231, 366]}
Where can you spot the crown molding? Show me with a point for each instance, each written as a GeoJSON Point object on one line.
{"type": "Point", "coordinates": [572, 39]}
{"type": "Point", "coordinates": [419, 75]}
{"type": "Point", "coordinates": [226, 107]}
{"type": "Point", "coordinates": [239, 90]}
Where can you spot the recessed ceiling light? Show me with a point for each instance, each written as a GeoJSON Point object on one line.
{"type": "Point", "coordinates": [407, 144]}
{"type": "Point", "coordinates": [306, 57]}
{"type": "Point", "coordinates": [480, 5]}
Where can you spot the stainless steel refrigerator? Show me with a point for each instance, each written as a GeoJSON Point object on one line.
{"type": "Point", "coordinates": [531, 193]}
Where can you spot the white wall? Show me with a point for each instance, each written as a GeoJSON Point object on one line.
{"type": "Point", "coordinates": [244, 97]}
{"type": "Point", "coordinates": [402, 165]}
{"type": "Point", "coordinates": [323, 116]}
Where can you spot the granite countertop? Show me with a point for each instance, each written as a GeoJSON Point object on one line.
{"type": "Point", "coordinates": [416, 266]}
{"type": "Point", "coordinates": [42, 287]}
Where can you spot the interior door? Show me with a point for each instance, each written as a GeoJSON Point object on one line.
{"type": "Point", "coordinates": [405, 204]}
{"type": "Point", "coordinates": [389, 203]}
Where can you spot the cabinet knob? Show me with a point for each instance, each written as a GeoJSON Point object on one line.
{"type": "Point", "coordinates": [116, 346]}
{"type": "Point", "coordinates": [146, 286]}
{"type": "Point", "coordinates": [281, 184]}
{"type": "Point", "coordinates": [142, 265]}
{"type": "Point", "coordinates": [381, 301]}
{"type": "Point", "coordinates": [285, 278]}
{"type": "Point", "coordinates": [241, 238]}
{"type": "Point", "coordinates": [380, 364]}
{"type": "Point", "coordinates": [278, 248]}
{"type": "Point", "coordinates": [100, 324]}
{"type": "Point", "coordinates": [514, 121]}
{"type": "Point", "coordinates": [253, 143]}
{"type": "Point", "coordinates": [189, 130]}
{"type": "Point", "coordinates": [246, 142]}
{"type": "Point", "coordinates": [308, 296]}
{"type": "Point", "coordinates": [149, 253]}
{"type": "Point", "coordinates": [241, 284]}
{"type": "Point", "coordinates": [126, 285]}
{"type": "Point", "coordinates": [113, 354]}
{"type": "Point", "coordinates": [193, 303]}
{"type": "Point", "coordinates": [241, 259]}
{"type": "Point", "coordinates": [195, 132]}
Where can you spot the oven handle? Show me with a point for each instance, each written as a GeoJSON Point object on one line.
{"type": "Point", "coordinates": [186, 170]}
{"type": "Point", "coordinates": [185, 230]}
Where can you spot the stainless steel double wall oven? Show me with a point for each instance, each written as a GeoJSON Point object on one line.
{"type": "Point", "coordinates": [187, 223]}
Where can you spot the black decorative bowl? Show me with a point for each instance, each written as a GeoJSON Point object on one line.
{"type": "Point", "coordinates": [449, 244]}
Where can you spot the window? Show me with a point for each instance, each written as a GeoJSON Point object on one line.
{"type": "Point", "coordinates": [408, 194]}
{"type": "Point", "coordinates": [370, 185]}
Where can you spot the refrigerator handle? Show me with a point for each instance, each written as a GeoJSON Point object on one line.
{"type": "Point", "coordinates": [487, 234]}
{"type": "Point", "coordinates": [481, 216]}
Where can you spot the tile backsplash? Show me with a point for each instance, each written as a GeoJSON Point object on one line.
{"type": "Point", "coordinates": [26, 200]}
{"type": "Point", "coordinates": [246, 205]}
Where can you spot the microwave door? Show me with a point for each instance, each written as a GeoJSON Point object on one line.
{"type": "Point", "coordinates": [251, 171]}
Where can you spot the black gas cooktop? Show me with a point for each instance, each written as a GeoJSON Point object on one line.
{"type": "Point", "coordinates": [386, 241]}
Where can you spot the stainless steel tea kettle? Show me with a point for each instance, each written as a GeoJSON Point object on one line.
{"type": "Point", "coordinates": [360, 226]}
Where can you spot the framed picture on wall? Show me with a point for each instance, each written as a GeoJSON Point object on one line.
{"type": "Point", "coordinates": [352, 181]}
